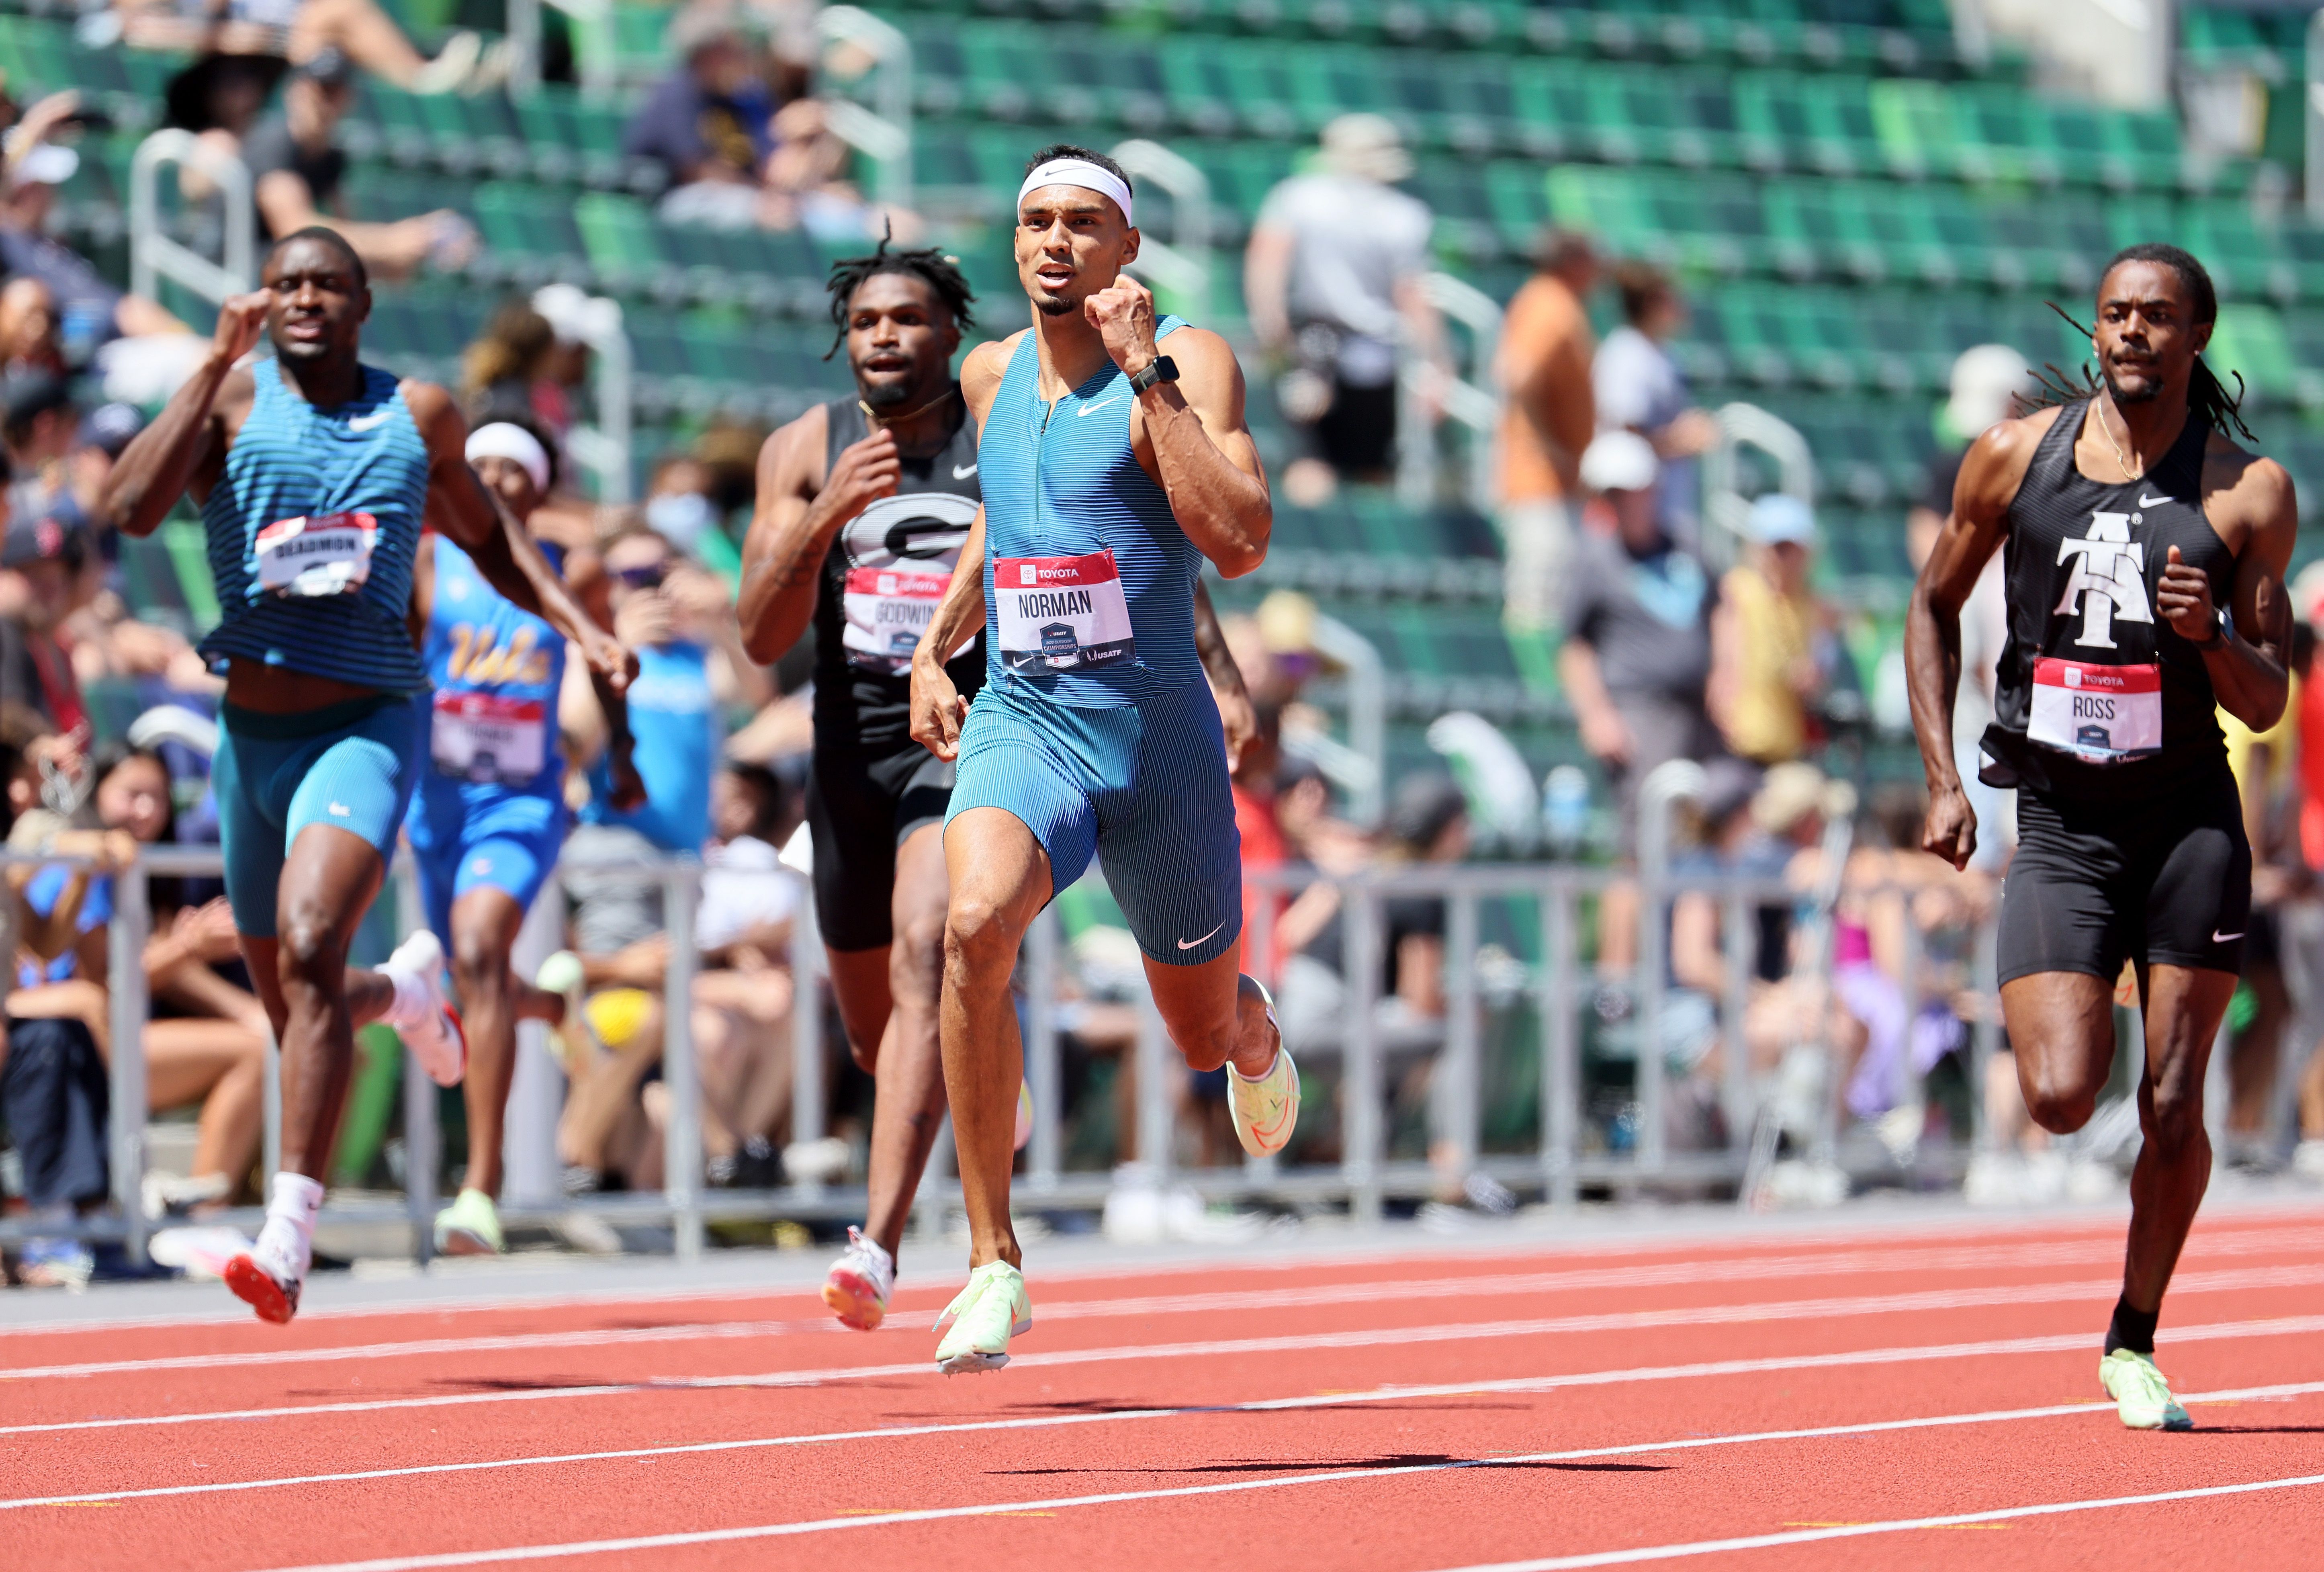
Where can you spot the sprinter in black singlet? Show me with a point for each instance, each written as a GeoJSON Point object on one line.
{"type": "Point", "coordinates": [2144, 555]}
{"type": "Point", "coordinates": [863, 505]}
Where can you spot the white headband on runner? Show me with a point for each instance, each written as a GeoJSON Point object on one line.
{"type": "Point", "coordinates": [1081, 172]}
{"type": "Point", "coordinates": [501, 439]}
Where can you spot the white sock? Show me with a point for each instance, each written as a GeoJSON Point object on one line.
{"type": "Point", "coordinates": [413, 1000]}
{"type": "Point", "coordinates": [286, 1245]}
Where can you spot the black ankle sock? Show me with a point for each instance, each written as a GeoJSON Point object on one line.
{"type": "Point", "coordinates": [2132, 1329]}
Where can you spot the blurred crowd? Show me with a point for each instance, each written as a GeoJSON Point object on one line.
{"type": "Point", "coordinates": [1696, 653]}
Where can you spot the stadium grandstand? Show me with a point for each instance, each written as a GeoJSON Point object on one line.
{"type": "Point", "coordinates": [1847, 196]}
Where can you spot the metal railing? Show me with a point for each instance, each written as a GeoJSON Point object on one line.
{"type": "Point", "coordinates": [1182, 263]}
{"type": "Point", "coordinates": [1474, 401]}
{"type": "Point", "coordinates": [1726, 503]}
{"type": "Point", "coordinates": [154, 255]}
{"type": "Point", "coordinates": [882, 133]}
{"type": "Point", "coordinates": [1552, 900]}
{"type": "Point", "coordinates": [604, 447]}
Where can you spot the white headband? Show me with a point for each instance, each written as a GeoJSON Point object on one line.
{"type": "Point", "coordinates": [502, 439]}
{"type": "Point", "coordinates": [1081, 172]}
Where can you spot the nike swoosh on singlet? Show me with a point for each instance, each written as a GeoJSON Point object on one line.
{"type": "Point", "coordinates": [366, 422]}
{"type": "Point", "coordinates": [1190, 943]}
{"type": "Point", "coordinates": [2152, 502]}
{"type": "Point", "coordinates": [1083, 413]}
{"type": "Point", "coordinates": [958, 473]}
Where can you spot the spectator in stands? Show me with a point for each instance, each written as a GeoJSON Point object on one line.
{"type": "Point", "coordinates": [1543, 365]}
{"type": "Point", "coordinates": [1639, 388]}
{"type": "Point", "coordinates": [297, 166]}
{"type": "Point", "coordinates": [1637, 646]}
{"type": "Point", "coordinates": [615, 1117]}
{"type": "Point", "coordinates": [1332, 280]}
{"type": "Point", "coordinates": [30, 340]}
{"type": "Point", "coordinates": [508, 361]}
{"type": "Point", "coordinates": [39, 427]}
{"type": "Point", "coordinates": [678, 506]}
{"type": "Point", "coordinates": [808, 187]}
{"type": "Point", "coordinates": [575, 317]}
{"type": "Point", "coordinates": [36, 593]}
{"type": "Point", "coordinates": [710, 124]}
{"type": "Point", "coordinates": [1772, 640]}
{"type": "Point", "coordinates": [305, 29]}
{"type": "Point", "coordinates": [91, 312]}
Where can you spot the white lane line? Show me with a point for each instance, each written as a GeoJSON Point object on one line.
{"type": "Point", "coordinates": [1334, 1477]}
{"type": "Point", "coordinates": [1811, 1536]}
{"type": "Point", "coordinates": [2226, 1233]}
{"type": "Point", "coordinates": [1264, 1405]}
{"type": "Point", "coordinates": [1438, 1288]}
{"type": "Point", "coordinates": [2061, 1343]}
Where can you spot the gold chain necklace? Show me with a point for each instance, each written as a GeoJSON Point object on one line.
{"type": "Point", "coordinates": [2108, 432]}
{"type": "Point", "coordinates": [871, 414]}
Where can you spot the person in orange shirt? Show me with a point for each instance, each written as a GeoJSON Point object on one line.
{"type": "Point", "coordinates": [1543, 365]}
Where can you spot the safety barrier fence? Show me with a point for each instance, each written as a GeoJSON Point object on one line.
{"type": "Point", "coordinates": [1558, 906]}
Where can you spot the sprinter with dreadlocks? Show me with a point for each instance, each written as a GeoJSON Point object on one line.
{"type": "Point", "coordinates": [863, 505]}
{"type": "Point", "coordinates": [2143, 554]}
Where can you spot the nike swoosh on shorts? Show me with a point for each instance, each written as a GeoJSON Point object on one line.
{"type": "Point", "coordinates": [2218, 937]}
{"type": "Point", "coordinates": [958, 473]}
{"type": "Point", "coordinates": [1190, 943]}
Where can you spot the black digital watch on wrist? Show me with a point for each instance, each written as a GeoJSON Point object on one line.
{"type": "Point", "coordinates": [1161, 368]}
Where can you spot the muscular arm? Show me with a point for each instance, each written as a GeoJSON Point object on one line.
{"type": "Point", "coordinates": [186, 444]}
{"type": "Point", "coordinates": [1990, 474]}
{"type": "Point", "coordinates": [782, 556]}
{"type": "Point", "coordinates": [938, 711]}
{"type": "Point", "coordinates": [1204, 455]}
{"type": "Point", "coordinates": [2249, 669]}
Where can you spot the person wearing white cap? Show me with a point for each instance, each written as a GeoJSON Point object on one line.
{"type": "Point", "coordinates": [1115, 460]}
{"type": "Point", "coordinates": [487, 820]}
{"type": "Point", "coordinates": [90, 310]}
{"type": "Point", "coordinates": [1332, 278]}
{"type": "Point", "coordinates": [1637, 640]}
{"type": "Point", "coordinates": [1767, 635]}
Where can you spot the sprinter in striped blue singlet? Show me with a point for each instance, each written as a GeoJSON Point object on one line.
{"type": "Point", "coordinates": [488, 818]}
{"type": "Point", "coordinates": [314, 473]}
{"type": "Point", "coordinates": [1111, 469]}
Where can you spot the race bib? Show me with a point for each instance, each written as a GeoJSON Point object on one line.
{"type": "Point", "coordinates": [2099, 713]}
{"type": "Point", "coordinates": [887, 609]}
{"type": "Point", "coordinates": [328, 554]}
{"type": "Point", "coordinates": [482, 736]}
{"type": "Point", "coordinates": [1062, 614]}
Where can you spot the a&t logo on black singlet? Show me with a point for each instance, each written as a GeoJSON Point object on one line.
{"type": "Point", "coordinates": [2110, 579]}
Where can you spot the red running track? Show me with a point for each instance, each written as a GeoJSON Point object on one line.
{"type": "Point", "coordinates": [1910, 1399]}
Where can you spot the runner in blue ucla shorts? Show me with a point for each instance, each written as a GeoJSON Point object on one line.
{"type": "Point", "coordinates": [488, 818]}
{"type": "Point", "coordinates": [313, 472]}
{"type": "Point", "coordinates": [1114, 459]}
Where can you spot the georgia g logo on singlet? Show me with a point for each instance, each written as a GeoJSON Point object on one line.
{"type": "Point", "coordinates": [900, 553]}
{"type": "Point", "coordinates": [2100, 711]}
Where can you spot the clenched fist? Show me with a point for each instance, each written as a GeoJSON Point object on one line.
{"type": "Point", "coordinates": [1123, 315]}
{"type": "Point", "coordinates": [240, 320]}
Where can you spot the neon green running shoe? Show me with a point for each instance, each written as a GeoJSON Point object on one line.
{"type": "Point", "coordinates": [992, 1310]}
{"type": "Point", "coordinates": [2142, 1397]}
{"type": "Point", "coordinates": [470, 1225]}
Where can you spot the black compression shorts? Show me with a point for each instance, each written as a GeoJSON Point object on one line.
{"type": "Point", "coordinates": [2166, 881]}
{"type": "Point", "coordinates": [860, 808]}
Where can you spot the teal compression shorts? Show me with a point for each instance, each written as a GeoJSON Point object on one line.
{"type": "Point", "coordinates": [351, 766]}
{"type": "Point", "coordinates": [1142, 788]}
